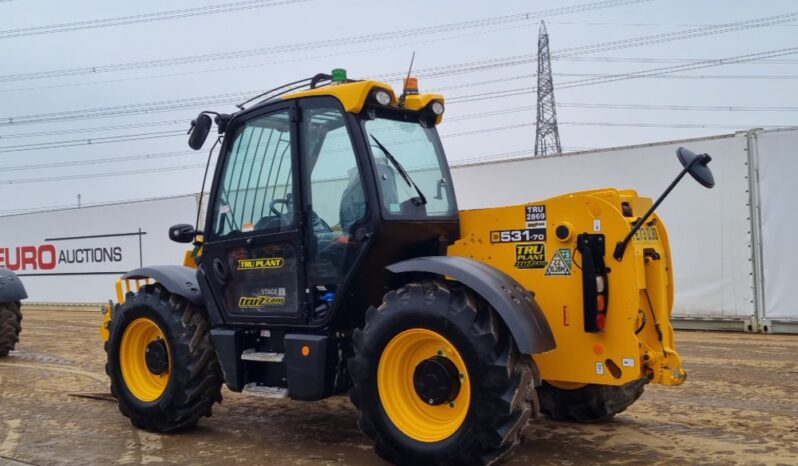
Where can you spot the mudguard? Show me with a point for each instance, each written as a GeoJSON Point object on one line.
{"type": "Point", "coordinates": [177, 279]}
{"type": "Point", "coordinates": [11, 289]}
{"type": "Point", "coordinates": [516, 305]}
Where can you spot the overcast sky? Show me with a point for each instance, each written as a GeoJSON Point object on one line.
{"type": "Point", "coordinates": [44, 75]}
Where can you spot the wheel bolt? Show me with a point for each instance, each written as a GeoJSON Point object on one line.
{"type": "Point", "coordinates": [462, 376]}
{"type": "Point", "coordinates": [451, 405]}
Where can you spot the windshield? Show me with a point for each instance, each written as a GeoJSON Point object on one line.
{"type": "Point", "coordinates": [411, 169]}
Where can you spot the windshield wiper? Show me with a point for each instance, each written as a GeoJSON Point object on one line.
{"type": "Point", "coordinates": [421, 199]}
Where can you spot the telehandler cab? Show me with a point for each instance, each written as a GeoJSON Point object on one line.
{"type": "Point", "coordinates": [333, 257]}
{"type": "Point", "coordinates": [12, 292]}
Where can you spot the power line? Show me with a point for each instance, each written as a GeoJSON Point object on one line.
{"type": "Point", "coordinates": [326, 43]}
{"type": "Point", "coordinates": [663, 60]}
{"type": "Point", "coordinates": [103, 175]}
{"type": "Point", "coordinates": [429, 72]}
{"type": "Point", "coordinates": [89, 142]}
{"type": "Point", "coordinates": [143, 18]}
{"type": "Point", "coordinates": [94, 129]}
{"type": "Point", "coordinates": [181, 103]}
{"type": "Point", "coordinates": [73, 163]}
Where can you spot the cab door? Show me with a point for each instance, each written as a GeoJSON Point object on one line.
{"type": "Point", "coordinates": [253, 251]}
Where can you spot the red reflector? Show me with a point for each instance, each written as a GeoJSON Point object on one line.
{"type": "Point", "coordinates": [601, 320]}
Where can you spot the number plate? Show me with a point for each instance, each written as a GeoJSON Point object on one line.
{"type": "Point", "coordinates": [518, 236]}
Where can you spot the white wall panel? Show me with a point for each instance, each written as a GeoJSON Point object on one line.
{"type": "Point", "coordinates": [709, 229]}
{"type": "Point", "coordinates": [777, 153]}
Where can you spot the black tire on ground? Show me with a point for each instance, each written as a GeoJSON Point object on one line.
{"type": "Point", "coordinates": [195, 378]}
{"type": "Point", "coordinates": [10, 326]}
{"type": "Point", "coordinates": [591, 403]}
{"type": "Point", "coordinates": [502, 395]}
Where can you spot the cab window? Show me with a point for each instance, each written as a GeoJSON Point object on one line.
{"type": "Point", "coordinates": [337, 202]}
{"type": "Point", "coordinates": [256, 189]}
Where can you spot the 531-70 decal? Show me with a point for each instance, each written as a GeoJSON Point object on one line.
{"type": "Point", "coordinates": [517, 236]}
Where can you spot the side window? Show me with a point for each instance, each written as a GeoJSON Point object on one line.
{"type": "Point", "coordinates": [337, 199]}
{"type": "Point", "coordinates": [256, 191]}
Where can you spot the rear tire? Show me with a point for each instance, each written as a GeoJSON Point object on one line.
{"type": "Point", "coordinates": [494, 401]}
{"type": "Point", "coordinates": [591, 403]}
{"type": "Point", "coordinates": [10, 326]}
{"type": "Point", "coordinates": [177, 398]}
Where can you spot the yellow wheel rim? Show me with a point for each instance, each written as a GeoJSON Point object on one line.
{"type": "Point", "coordinates": [142, 383]}
{"type": "Point", "coordinates": [409, 413]}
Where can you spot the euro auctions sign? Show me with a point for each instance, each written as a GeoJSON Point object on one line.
{"type": "Point", "coordinates": [112, 253]}
{"type": "Point", "coordinates": [76, 255]}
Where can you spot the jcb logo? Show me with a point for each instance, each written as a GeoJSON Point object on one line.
{"type": "Point", "coordinates": [530, 256]}
{"type": "Point", "coordinates": [256, 302]}
{"type": "Point", "coordinates": [261, 263]}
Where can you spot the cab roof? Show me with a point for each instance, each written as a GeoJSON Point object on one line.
{"type": "Point", "coordinates": [354, 94]}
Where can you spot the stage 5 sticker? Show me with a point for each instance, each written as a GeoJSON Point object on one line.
{"type": "Point", "coordinates": [530, 256]}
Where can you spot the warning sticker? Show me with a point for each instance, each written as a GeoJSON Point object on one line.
{"type": "Point", "coordinates": [535, 216]}
{"type": "Point", "coordinates": [560, 263]}
{"type": "Point", "coordinates": [530, 256]}
{"type": "Point", "coordinates": [600, 368]}
{"type": "Point", "coordinates": [628, 362]}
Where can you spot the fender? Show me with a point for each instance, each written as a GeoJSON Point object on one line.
{"type": "Point", "coordinates": [177, 279]}
{"type": "Point", "coordinates": [516, 306]}
{"type": "Point", "coordinates": [11, 289]}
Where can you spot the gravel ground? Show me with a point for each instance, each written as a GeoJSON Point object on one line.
{"type": "Point", "coordinates": [738, 406]}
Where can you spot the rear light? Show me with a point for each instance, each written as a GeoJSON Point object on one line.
{"type": "Point", "coordinates": [594, 281]}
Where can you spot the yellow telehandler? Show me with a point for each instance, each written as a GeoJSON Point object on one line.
{"type": "Point", "coordinates": [333, 258]}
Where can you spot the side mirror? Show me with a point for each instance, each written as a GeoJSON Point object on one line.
{"type": "Point", "coordinates": [182, 233]}
{"type": "Point", "coordinates": [697, 166]}
{"type": "Point", "coordinates": [200, 127]}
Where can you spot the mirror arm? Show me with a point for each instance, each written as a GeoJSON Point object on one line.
{"type": "Point", "coordinates": [620, 247]}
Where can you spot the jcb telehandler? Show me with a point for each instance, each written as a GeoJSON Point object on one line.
{"type": "Point", "coordinates": [333, 257]}
{"type": "Point", "coordinates": [12, 292]}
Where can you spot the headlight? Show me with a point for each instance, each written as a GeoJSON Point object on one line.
{"type": "Point", "coordinates": [382, 97]}
{"type": "Point", "coordinates": [437, 108]}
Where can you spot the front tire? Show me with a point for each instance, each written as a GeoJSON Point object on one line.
{"type": "Point", "coordinates": [10, 326]}
{"type": "Point", "coordinates": [483, 395]}
{"type": "Point", "coordinates": [164, 371]}
{"type": "Point", "coordinates": [588, 403]}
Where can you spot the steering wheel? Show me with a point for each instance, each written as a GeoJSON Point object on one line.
{"type": "Point", "coordinates": [273, 203]}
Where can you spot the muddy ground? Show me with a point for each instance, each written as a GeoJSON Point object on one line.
{"type": "Point", "coordinates": [739, 406]}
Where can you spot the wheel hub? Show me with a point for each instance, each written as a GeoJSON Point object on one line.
{"type": "Point", "coordinates": [157, 357]}
{"type": "Point", "coordinates": [436, 380]}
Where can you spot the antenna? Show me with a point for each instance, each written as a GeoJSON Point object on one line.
{"type": "Point", "coordinates": [404, 84]}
